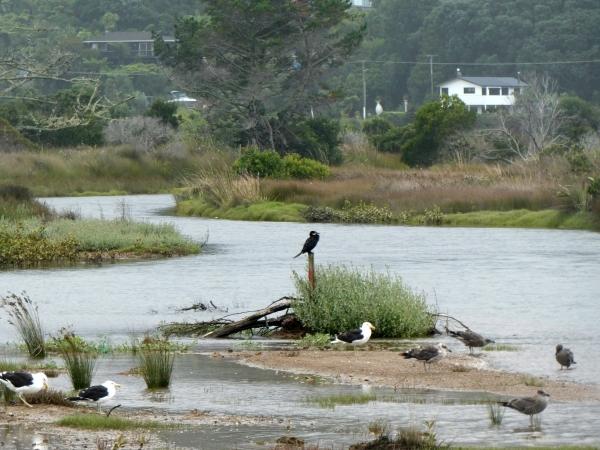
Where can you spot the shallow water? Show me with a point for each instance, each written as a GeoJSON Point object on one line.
{"type": "Point", "coordinates": [530, 288]}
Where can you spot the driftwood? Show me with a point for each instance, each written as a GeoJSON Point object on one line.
{"type": "Point", "coordinates": [253, 320]}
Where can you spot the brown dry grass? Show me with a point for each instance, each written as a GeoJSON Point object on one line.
{"type": "Point", "coordinates": [454, 188]}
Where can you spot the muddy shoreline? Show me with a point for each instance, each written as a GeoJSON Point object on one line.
{"type": "Point", "coordinates": [386, 368]}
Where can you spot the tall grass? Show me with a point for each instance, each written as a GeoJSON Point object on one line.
{"type": "Point", "coordinates": [156, 364]}
{"type": "Point", "coordinates": [495, 413]}
{"type": "Point", "coordinates": [345, 297]}
{"type": "Point", "coordinates": [100, 422]}
{"type": "Point", "coordinates": [224, 187]}
{"type": "Point", "coordinates": [23, 315]}
{"type": "Point", "coordinates": [80, 359]}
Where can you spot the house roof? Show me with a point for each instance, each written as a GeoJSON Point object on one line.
{"type": "Point", "coordinates": [492, 81]}
{"type": "Point", "coordinates": [126, 36]}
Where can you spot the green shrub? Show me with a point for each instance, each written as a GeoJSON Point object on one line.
{"type": "Point", "coordinates": [317, 139]}
{"type": "Point", "coordinates": [359, 213]}
{"type": "Point", "coordinates": [433, 216]}
{"type": "Point", "coordinates": [261, 163]}
{"type": "Point", "coordinates": [344, 298]}
{"type": "Point", "coordinates": [376, 126]}
{"type": "Point", "coordinates": [295, 166]}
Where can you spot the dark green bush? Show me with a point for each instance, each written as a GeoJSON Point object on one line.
{"type": "Point", "coordinates": [344, 298]}
{"type": "Point", "coordinates": [376, 126]}
{"type": "Point", "coordinates": [359, 213]}
{"type": "Point", "coordinates": [316, 139]}
{"type": "Point", "coordinates": [15, 192]}
{"type": "Point", "coordinates": [295, 166]}
{"type": "Point", "coordinates": [262, 163]}
{"type": "Point", "coordinates": [165, 111]}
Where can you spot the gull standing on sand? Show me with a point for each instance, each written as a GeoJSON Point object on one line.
{"type": "Point", "coordinates": [98, 394]}
{"type": "Point", "coordinates": [529, 405]}
{"type": "Point", "coordinates": [428, 355]}
{"type": "Point", "coordinates": [564, 356]}
{"type": "Point", "coordinates": [23, 383]}
{"type": "Point", "coordinates": [470, 338]}
{"type": "Point", "coordinates": [358, 336]}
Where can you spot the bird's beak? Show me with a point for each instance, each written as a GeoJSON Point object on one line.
{"type": "Point", "coordinates": [46, 387]}
{"type": "Point", "coordinates": [373, 328]}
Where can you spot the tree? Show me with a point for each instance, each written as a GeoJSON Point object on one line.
{"type": "Point", "coordinates": [434, 122]}
{"type": "Point", "coordinates": [260, 64]}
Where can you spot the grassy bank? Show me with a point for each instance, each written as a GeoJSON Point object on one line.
{"type": "Point", "coordinates": [108, 170]}
{"type": "Point", "coordinates": [262, 210]}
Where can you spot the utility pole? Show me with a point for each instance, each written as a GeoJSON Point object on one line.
{"type": "Point", "coordinates": [431, 71]}
{"type": "Point", "coordinates": [364, 81]}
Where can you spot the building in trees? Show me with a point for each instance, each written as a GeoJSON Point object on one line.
{"type": "Point", "coordinates": [125, 45]}
{"type": "Point", "coordinates": [481, 93]}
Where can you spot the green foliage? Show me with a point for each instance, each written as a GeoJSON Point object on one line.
{"type": "Point", "coordinates": [165, 111]}
{"type": "Point", "coordinates": [10, 138]}
{"type": "Point", "coordinates": [316, 139]}
{"type": "Point", "coordinates": [267, 163]}
{"type": "Point", "coordinates": [261, 210]}
{"type": "Point", "coordinates": [357, 213]}
{"type": "Point", "coordinates": [331, 401]}
{"type": "Point", "coordinates": [295, 166]}
{"type": "Point", "coordinates": [317, 340]}
{"type": "Point", "coordinates": [79, 357]}
{"type": "Point", "coordinates": [433, 216]}
{"type": "Point", "coordinates": [345, 297]}
{"type": "Point", "coordinates": [434, 122]}
{"type": "Point", "coordinates": [156, 360]}
{"type": "Point", "coordinates": [581, 117]}
{"type": "Point", "coordinates": [260, 163]}
{"type": "Point", "coordinates": [23, 315]}
{"type": "Point", "coordinates": [101, 422]}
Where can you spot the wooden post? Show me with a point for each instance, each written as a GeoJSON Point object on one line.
{"type": "Point", "coordinates": [311, 270]}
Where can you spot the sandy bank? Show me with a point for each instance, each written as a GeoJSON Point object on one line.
{"type": "Point", "coordinates": [386, 368]}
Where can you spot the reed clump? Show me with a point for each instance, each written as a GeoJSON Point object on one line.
{"type": "Point", "coordinates": [156, 359]}
{"type": "Point", "coordinates": [345, 297]}
{"type": "Point", "coordinates": [79, 357]}
{"type": "Point", "coordinates": [224, 188]}
{"type": "Point", "coordinates": [495, 413]}
{"type": "Point", "coordinates": [23, 315]}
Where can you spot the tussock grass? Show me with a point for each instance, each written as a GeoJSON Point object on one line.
{"type": "Point", "coordinates": [495, 413]}
{"type": "Point", "coordinates": [101, 422]}
{"type": "Point", "coordinates": [331, 401]}
{"type": "Point", "coordinates": [344, 298]}
{"type": "Point", "coordinates": [156, 365]}
{"type": "Point", "coordinates": [79, 358]}
{"type": "Point", "coordinates": [224, 188]}
{"type": "Point", "coordinates": [23, 315]}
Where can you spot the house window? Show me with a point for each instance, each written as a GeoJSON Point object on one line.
{"type": "Point", "coordinates": [469, 90]}
{"type": "Point", "coordinates": [494, 91]}
{"type": "Point", "coordinates": [444, 91]}
{"type": "Point", "coordinates": [146, 49]}
{"type": "Point", "coordinates": [504, 91]}
{"type": "Point", "coordinates": [483, 91]}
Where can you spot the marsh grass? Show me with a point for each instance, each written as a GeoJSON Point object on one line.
{"type": "Point", "coordinates": [331, 401]}
{"type": "Point", "coordinates": [379, 427]}
{"type": "Point", "coordinates": [224, 187]}
{"type": "Point", "coordinates": [318, 341]}
{"type": "Point", "coordinates": [23, 315]}
{"type": "Point", "coordinates": [101, 422]}
{"type": "Point", "coordinates": [345, 297]}
{"type": "Point", "coordinates": [495, 413]}
{"type": "Point", "coordinates": [80, 359]}
{"type": "Point", "coordinates": [50, 368]}
{"type": "Point", "coordinates": [156, 364]}
{"type": "Point", "coordinates": [406, 438]}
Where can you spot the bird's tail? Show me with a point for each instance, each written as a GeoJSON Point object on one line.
{"type": "Point", "coordinates": [298, 255]}
{"type": "Point", "coordinates": [451, 333]}
{"type": "Point", "coordinates": [507, 404]}
{"type": "Point", "coordinates": [335, 340]}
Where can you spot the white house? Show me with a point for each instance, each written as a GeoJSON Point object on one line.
{"type": "Point", "coordinates": [480, 93]}
{"type": "Point", "coordinates": [362, 3]}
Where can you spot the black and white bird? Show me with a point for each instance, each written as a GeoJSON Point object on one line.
{"type": "Point", "coordinates": [470, 338]}
{"type": "Point", "coordinates": [358, 336]}
{"type": "Point", "coordinates": [98, 394]}
{"type": "Point", "coordinates": [23, 383]}
{"type": "Point", "coordinates": [564, 356]}
{"type": "Point", "coordinates": [310, 243]}
{"type": "Point", "coordinates": [529, 405]}
{"type": "Point", "coordinates": [428, 355]}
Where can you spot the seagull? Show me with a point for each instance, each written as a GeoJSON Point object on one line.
{"type": "Point", "coordinates": [470, 338]}
{"type": "Point", "coordinates": [358, 336]}
{"type": "Point", "coordinates": [529, 405]}
{"type": "Point", "coordinates": [310, 243]}
{"type": "Point", "coordinates": [564, 356]}
{"type": "Point", "coordinates": [23, 383]}
{"type": "Point", "coordinates": [429, 354]}
{"type": "Point", "coordinates": [99, 393]}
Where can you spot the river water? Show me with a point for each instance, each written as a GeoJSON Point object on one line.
{"type": "Point", "coordinates": [528, 288]}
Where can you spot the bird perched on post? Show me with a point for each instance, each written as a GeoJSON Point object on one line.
{"type": "Point", "coordinates": [564, 356]}
{"type": "Point", "coordinates": [428, 355]}
{"type": "Point", "coordinates": [529, 405]}
{"type": "Point", "coordinates": [470, 338]}
{"type": "Point", "coordinates": [98, 394]}
{"type": "Point", "coordinates": [358, 336]}
{"type": "Point", "coordinates": [23, 383]}
{"type": "Point", "coordinates": [310, 243]}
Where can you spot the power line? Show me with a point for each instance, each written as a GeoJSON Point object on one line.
{"type": "Point", "coordinates": [516, 63]}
